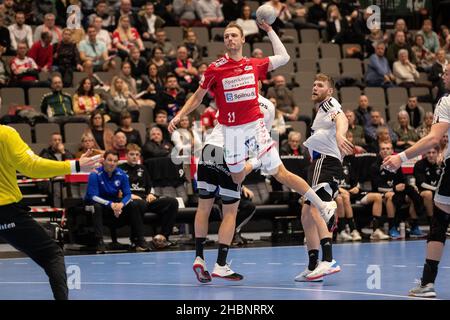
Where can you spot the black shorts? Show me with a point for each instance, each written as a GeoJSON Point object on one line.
{"type": "Point", "coordinates": [214, 178]}
{"type": "Point", "coordinates": [443, 191]}
{"type": "Point", "coordinates": [356, 198]}
{"type": "Point", "coordinates": [324, 176]}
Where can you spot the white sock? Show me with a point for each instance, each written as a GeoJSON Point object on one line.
{"type": "Point", "coordinates": [312, 196]}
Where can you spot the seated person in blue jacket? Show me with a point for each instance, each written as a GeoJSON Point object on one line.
{"type": "Point", "coordinates": [109, 192]}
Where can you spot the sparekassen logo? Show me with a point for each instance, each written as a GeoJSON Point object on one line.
{"type": "Point", "coordinates": [238, 81]}
{"type": "Point", "coordinates": [240, 95]}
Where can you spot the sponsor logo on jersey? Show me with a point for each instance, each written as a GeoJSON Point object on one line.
{"type": "Point", "coordinates": [238, 81]}
{"type": "Point", "coordinates": [220, 62]}
{"type": "Point", "coordinates": [240, 95]}
{"type": "Point", "coordinates": [247, 68]}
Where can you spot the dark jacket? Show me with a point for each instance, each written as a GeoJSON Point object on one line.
{"type": "Point", "coordinates": [153, 150]}
{"type": "Point", "coordinates": [384, 180]}
{"type": "Point", "coordinates": [49, 153]}
{"type": "Point", "coordinates": [139, 178]}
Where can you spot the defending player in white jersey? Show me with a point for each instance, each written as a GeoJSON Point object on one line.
{"type": "Point", "coordinates": [441, 214]}
{"type": "Point", "coordinates": [327, 146]}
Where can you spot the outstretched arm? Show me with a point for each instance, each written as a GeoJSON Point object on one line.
{"type": "Point", "coordinates": [280, 57]}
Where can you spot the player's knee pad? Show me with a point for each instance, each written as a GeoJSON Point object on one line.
{"type": "Point", "coordinates": [439, 225]}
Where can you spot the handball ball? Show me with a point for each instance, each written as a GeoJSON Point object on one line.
{"type": "Point", "coordinates": [266, 13]}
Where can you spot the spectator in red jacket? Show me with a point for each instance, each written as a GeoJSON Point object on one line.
{"type": "Point", "coordinates": [42, 52]}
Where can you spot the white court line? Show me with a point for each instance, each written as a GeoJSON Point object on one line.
{"type": "Point", "coordinates": [20, 262]}
{"type": "Point", "coordinates": [398, 266]}
{"type": "Point", "coordinates": [148, 262]}
{"type": "Point", "coordinates": [299, 264]}
{"type": "Point", "coordinates": [445, 267]}
{"type": "Point", "coordinates": [419, 266]}
{"type": "Point", "coordinates": [123, 263]}
{"type": "Point", "coordinates": [275, 263]}
{"type": "Point", "coordinates": [349, 264]}
{"type": "Point", "coordinates": [233, 287]}
{"type": "Point", "coordinates": [97, 262]}
{"type": "Point", "coordinates": [249, 263]}
{"type": "Point", "coordinates": [173, 262]}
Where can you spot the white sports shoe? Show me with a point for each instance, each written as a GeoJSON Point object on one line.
{"type": "Point", "coordinates": [344, 236]}
{"type": "Point", "coordinates": [201, 271]}
{"type": "Point", "coordinates": [324, 268]}
{"type": "Point", "coordinates": [328, 213]}
{"type": "Point", "coordinates": [355, 235]}
{"type": "Point", "coordinates": [301, 277]}
{"type": "Point", "coordinates": [226, 273]}
{"type": "Point", "coordinates": [378, 234]}
{"type": "Point", "coordinates": [426, 291]}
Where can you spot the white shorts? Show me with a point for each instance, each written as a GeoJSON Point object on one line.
{"type": "Point", "coordinates": [249, 140]}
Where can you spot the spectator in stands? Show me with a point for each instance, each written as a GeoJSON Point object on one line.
{"type": "Point", "coordinates": [431, 38]}
{"type": "Point", "coordinates": [88, 143]}
{"type": "Point", "coordinates": [375, 36]}
{"type": "Point", "coordinates": [378, 73]}
{"type": "Point", "coordinates": [97, 128]}
{"type": "Point", "coordinates": [398, 44]}
{"type": "Point", "coordinates": [122, 100]}
{"type": "Point", "coordinates": [173, 97]}
{"type": "Point", "coordinates": [285, 101]}
{"type": "Point", "coordinates": [195, 50]}
{"type": "Point", "coordinates": [389, 184]}
{"type": "Point", "coordinates": [8, 12]}
{"type": "Point", "coordinates": [282, 13]}
{"type": "Point", "coordinates": [62, 12]}
{"type": "Point", "coordinates": [24, 69]}
{"type": "Point", "coordinates": [232, 9]}
{"type": "Point", "coordinates": [249, 25]}
{"type": "Point", "coordinates": [48, 26]}
{"type": "Point", "coordinates": [144, 196]}
{"type": "Point", "coordinates": [186, 12]}
{"type": "Point", "coordinates": [132, 135]}
{"type": "Point", "coordinates": [126, 37]}
{"type": "Point", "coordinates": [405, 72]}
{"type": "Point", "coordinates": [299, 15]}
{"type": "Point", "coordinates": [437, 70]}
{"type": "Point", "coordinates": [162, 122]}
{"type": "Point", "coordinates": [362, 113]}
{"type": "Point", "coordinates": [337, 26]}
{"type": "Point", "coordinates": [294, 146]}
{"type": "Point", "coordinates": [4, 74]}
{"type": "Point", "coordinates": [152, 82]}
{"type": "Point", "coordinates": [165, 45]}
{"type": "Point", "coordinates": [208, 119]}
{"type": "Point", "coordinates": [186, 140]}
{"type": "Point", "coordinates": [358, 137]}
{"type": "Point", "coordinates": [265, 81]}
{"type": "Point", "coordinates": [56, 150]}
{"type": "Point", "coordinates": [155, 146]}
{"type": "Point", "coordinates": [94, 54]}
{"type": "Point", "coordinates": [406, 134]}
{"type": "Point", "coordinates": [138, 65]}
{"type": "Point", "coordinates": [210, 13]}
{"type": "Point", "coordinates": [85, 100]}
{"type": "Point", "coordinates": [120, 144]}
{"type": "Point", "coordinates": [66, 58]}
{"type": "Point", "coordinates": [424, 57]}
{"type": "Point", "coordinates": [443, 36]}
{"type": "Point", "coordinates": [400, 25]}
{"type": "Point", "coordinates": [425, 127]}
{"type": "Point", "coordinates": [5, 37]}
{"type": "Point", "coordinates": [376, 121]}
{"type": "Point", "coordinates": [102, 35]}
{"type": "Point", "coordinates": [126, 10]}
{"type": "Point", "coordinates": [20, 32]}
{"type": "Point", "coordinates": [57, 105]}
{"type": "Point", "coordinates": [126, 75]}
{"type": "Point", "coordinates": [415, 112]}
{"type": "Point", "coordinates": [427, 172]}
{"type": "Point", "coordinates": [104, 187]}
{"type": "Point", "coordinates": [42, 52]}
{"type": "Point", "coordinates": [317, 14]}
{"type": "Point", "coordinates": [102, 11]}
{"type": "Point", "coordinates": [278, 124]}
{"type": "Point", "coordinates": [149, 22]}
{"type": "Point", "coordinates": [184, 69]}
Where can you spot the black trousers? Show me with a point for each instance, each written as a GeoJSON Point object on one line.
{"type": "Point", "coordinates": [166, 208]}
{"type": "Point", "coordinates": [131, 215]}
{"type": "Point", "coordinates": [400, 198]}
{"type": "Point", "coordinates": [21, 231]}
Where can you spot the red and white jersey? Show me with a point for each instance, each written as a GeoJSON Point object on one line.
{"type": "Point", "coordinates": [235, 87]}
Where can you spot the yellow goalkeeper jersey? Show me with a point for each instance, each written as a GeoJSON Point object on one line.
{"type": "Point", "coordinates": [15, 154]}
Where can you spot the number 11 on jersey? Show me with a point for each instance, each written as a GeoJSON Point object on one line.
{"type": "Point", "coordinates": [231, 117]}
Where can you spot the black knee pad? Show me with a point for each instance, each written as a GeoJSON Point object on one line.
{"type": "Point", "coordinates": [439, 225]}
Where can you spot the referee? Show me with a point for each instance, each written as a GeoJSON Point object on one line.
{"type": "Point", "coordinates": [17, 227]}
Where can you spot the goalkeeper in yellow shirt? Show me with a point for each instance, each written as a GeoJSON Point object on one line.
{"type": "Point", "coordinates": [17, 227]}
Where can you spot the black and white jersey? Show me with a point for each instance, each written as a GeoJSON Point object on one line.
{"type": "Point", "coordinates": [384, 180]}
{"type": "Point", "coordinates": [350, 173]}
{"type": "Point", "coordinates": [323, 133]}
{"type": "Point", "coordinates": [267, 108]}
{"type": "Point", "coordinates": [442, 114]}
{"type": "Point", "coordinates": [427, 175]}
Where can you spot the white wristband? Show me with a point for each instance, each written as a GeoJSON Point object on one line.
{"type": "Point", "coordinates": [403, 156]}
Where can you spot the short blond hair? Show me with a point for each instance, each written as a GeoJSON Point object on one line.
{"type": "Point", "coordinates": [325, 78]}
{"type": "Point", "coordinates": [235, 25]}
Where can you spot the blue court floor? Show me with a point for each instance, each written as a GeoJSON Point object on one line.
{"type": "Point", "coordinates": [384, 270]}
